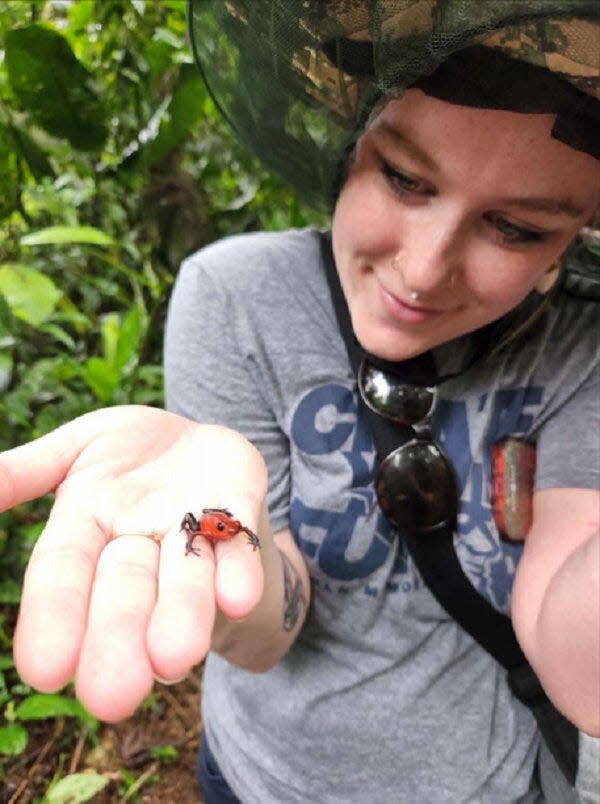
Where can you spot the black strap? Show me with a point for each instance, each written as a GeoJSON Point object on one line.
{"type": "Point", "coordinates": [438, 564]}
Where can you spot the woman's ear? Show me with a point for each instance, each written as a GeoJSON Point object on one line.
{"type": "Point", "coordinates": [546, 282]}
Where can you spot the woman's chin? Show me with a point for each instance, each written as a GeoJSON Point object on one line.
{"type": "Point", "coordinates": [394, 347]}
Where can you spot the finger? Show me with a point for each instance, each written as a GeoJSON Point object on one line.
{"type": "Point", "coordinates": [33, 469]}
{"type": "Point", "coordinates": [55, 595]}
{"type": "Point", "coordinates": [239, 579]}
{"type": "Point", "coordinates": [181, 625]}
{"type": "Point", "coordinates": [114, 674]}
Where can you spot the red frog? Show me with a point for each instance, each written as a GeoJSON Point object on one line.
{"type": "Point", "coordinates": [216, 524]}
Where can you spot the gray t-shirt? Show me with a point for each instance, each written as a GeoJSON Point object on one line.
{"type": "Point", "coordinates": [383, 697]}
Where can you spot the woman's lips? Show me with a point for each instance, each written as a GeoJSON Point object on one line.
{"type": "Point", "coordinates": [405, 311]}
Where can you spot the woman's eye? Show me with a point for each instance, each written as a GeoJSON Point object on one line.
{"type": "Point", "coordinates": [511, 233]}
{"type": "Point", "coordinates": [400, 182]}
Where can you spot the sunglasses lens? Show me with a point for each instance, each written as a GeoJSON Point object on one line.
{"type": "Point", "coordinates": [388, 396]}
{"type": "Point", "coordinates": [416, 487]}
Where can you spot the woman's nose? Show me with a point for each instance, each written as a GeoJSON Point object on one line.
{"type": "Point", "coordinates": [429, 257]}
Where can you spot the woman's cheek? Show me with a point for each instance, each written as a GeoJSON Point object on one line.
{"type": "Point", "coordinates": [501, 279]}
{"type": "Point", "coordinates": [362, 219]}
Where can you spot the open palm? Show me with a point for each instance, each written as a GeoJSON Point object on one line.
{"type": "Point", "coordinates": [116, 612]}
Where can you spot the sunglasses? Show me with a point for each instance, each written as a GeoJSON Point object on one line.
{"type": "Point", "coordinates": [415, 484]}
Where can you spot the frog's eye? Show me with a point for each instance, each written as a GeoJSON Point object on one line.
{"type": "Point", "coordinates": [220, 526]}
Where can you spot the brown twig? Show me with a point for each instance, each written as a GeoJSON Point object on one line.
{"type": "Point", "coordinates": [58, 730]}
{"type": "Point", "coordinates": [140, 781]}
{"type": "Point", "coordinates": [78, 748]}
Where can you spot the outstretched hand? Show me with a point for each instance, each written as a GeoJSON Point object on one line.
{"type": "Point", "coordinates": [116, 612]}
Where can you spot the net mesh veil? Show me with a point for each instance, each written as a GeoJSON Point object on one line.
{"type": "Point", "coordinates": [296, 78]}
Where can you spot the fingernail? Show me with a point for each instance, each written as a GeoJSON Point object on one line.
{"type": "Point", "coordinates": [168, 682]}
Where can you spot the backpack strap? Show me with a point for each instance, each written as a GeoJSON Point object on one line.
{"type": "Point", "coordinates": [436, 559]}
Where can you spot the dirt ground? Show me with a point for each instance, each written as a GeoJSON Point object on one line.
{"type": "Point", "coordinates": [172, 720]}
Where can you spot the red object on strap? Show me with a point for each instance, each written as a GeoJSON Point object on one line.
{"type": "Point", "coordinates": [513, 472]}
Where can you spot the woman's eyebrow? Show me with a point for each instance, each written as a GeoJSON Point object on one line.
{"type": "Point", "coordinates": [554, 206]}
{"type": "Point", "coordinates": [402, 140]}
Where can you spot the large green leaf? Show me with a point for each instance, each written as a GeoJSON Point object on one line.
{"type": "Point", "coordinates": [31, 295]}
{"type": "Point", "coordinates": [54, 87]}
{"type": "Point", "coordinates": [40, 706]}
{"type": "Point", "coordinates": [57, 235]}
{"type": "Point", "coordinates": [75, 788]}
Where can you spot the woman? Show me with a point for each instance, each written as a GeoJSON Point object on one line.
{"type": "Point", "coordinates": [334, 675]}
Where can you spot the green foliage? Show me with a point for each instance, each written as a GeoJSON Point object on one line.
{"type": "Point", "coordinates": [75, 788]}
{"type": "Point", "coordinates": [114, 166]}
{"type": "Point", "coordinates": [164, 753]}
{"type": "Point", "coordinates": [30, 295]}
{"type": "Point", "coordinates": [22, 706]}
{"type": "Point", "coordinates": [39, 706]}
{"type": "Point", "coordinates": [41, 67]}
{"type": "Point", "coordinates": [13, 739]}
{"type": "Point", "coordinates": [54, 235]}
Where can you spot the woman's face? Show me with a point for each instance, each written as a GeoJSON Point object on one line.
{"type": "Point", "coordinates": [468, 208]}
